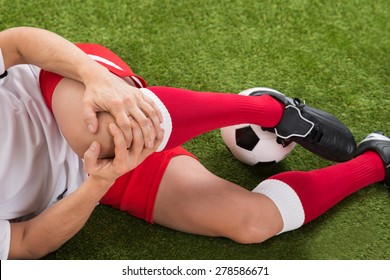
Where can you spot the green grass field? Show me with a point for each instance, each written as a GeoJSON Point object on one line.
{"type": "Point", "coordinates": [333, 54]}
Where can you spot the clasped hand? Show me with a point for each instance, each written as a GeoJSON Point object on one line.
{"type": "Point", "coordinates": [126, 159]}
{"type": "Point", "coordinates": [126, 103]}
{"type": "Point", "coordinates": [137, 132]}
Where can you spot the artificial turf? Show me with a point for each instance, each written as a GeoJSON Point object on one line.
{"type": "Point", "coordinates": [333, 54]}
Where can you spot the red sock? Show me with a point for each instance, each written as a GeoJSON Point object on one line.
{"type": "Point", "coordinates": [194, 113]}
{"type": "Point", "coordinates": [303, 196]}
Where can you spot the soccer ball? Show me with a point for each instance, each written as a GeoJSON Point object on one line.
{"type": "Point", "coordinates": [251, 144]}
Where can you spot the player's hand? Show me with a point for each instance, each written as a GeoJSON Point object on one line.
{"type": "Point", "coordinates": [111, 94]}
{"type": "Point", "coordinates": [137, 152]}
{"type": "Point", "coordinates": [126, 159]}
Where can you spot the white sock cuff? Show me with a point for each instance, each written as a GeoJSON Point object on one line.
{"type": "Point", "coordinates": [287, 201]}
{"type": "Point", "coordinates": [167, 121]}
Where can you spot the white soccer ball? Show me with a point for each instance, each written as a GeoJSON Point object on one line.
{"type": "Point", "coordinates": [251, 145]}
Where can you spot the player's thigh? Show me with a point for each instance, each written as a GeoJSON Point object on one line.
{"type": "Point", "coordinates": [192, 199]}
{"type": "Point", "coordinates": [67, 104]}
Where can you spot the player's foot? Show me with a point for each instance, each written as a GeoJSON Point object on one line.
{"type": "Point", "coordinates": [381, 144]}
{"type": "Point", "coordinates": [315, 130]}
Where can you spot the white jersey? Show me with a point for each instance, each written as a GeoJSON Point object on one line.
{"type": "Point", "coordinates": [37, 167]}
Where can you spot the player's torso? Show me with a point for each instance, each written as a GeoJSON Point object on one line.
{"type": "Point", "coordinates": [36, 164]}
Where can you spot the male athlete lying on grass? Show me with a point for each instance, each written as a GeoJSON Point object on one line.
{"type": "Point", "coordinates": [45, 197]}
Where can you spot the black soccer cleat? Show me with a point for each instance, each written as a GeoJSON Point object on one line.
{"type": "Point", "coordinates": [381, 144]}
{"type": "Point", "coordinates": [315, 130]}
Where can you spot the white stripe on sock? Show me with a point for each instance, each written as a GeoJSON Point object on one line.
{"type": "Point", "coordinates": [287, 201]}
{"type": "Point", "coordinates": [167, 121]}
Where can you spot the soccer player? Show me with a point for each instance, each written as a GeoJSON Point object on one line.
{"type": "Point", "coordinates": [169, 187]}
{"type": "Point", "coordinates": [37, 167]}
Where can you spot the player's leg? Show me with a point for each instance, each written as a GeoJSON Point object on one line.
{"type": "Point", "coordinates": [186, 123]}
{"type": "Point", "coordinates": [303, 196]}
{"type": "Point", "coordinates": [181, 124]}
{"type": "Point", "coordinates": [193, 113]}
{"type": "Point", "coordinates": [191, 199]}
{"type": "Point", "coordinates": [173, 189]}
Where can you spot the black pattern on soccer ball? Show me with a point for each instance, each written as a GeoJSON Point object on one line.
{"type": "Point", "coordinates": [246, 138]}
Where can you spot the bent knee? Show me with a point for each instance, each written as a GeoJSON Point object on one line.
{"type": "Point", "coordinates": [254, 228]}
{"type": "Point", "coordinates": [68, 111]}
{"type": "Point", "coordinates": [102, 136]}
{"type": "Point", "coordinates": [251, 235]}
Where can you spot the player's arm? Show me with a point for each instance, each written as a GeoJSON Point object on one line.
{"type": "Point", "coordinates": [56, 225]}
{"type": "Point", "coordinates": [27, 45]}
{"type": "Point", "coordinates": [45, 233]}
{"type": "Point", "coordinates": [47, 50]}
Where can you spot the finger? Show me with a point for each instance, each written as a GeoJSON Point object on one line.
{"type": "Point", "coordinates": [153, 112]}
{"type": "Point", "coordinates": [91, 157]}
{"type": "Point", "coordinates": [119, 112]}
{"type": "Point", "coordinates": [120, 144]}
{"type": "Point", "coordinates": [154, 107]}
{"type": "Point", "coordinates": [147, 152]}
{"type": "Point", "coordinates": [90, 118]}
{"type": "Point", "coordinates": [146, 126]}
{"type": "Point", "coordinates": [138, 140]}
{"type": "Point", "coordinates": [125, 158]}
{"type": "Point", "coordinates": [123, 122]}
{"type": "Point", "coordinates": [130, 141]}
{"type": "Point", "coordinates": [159, 140]}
